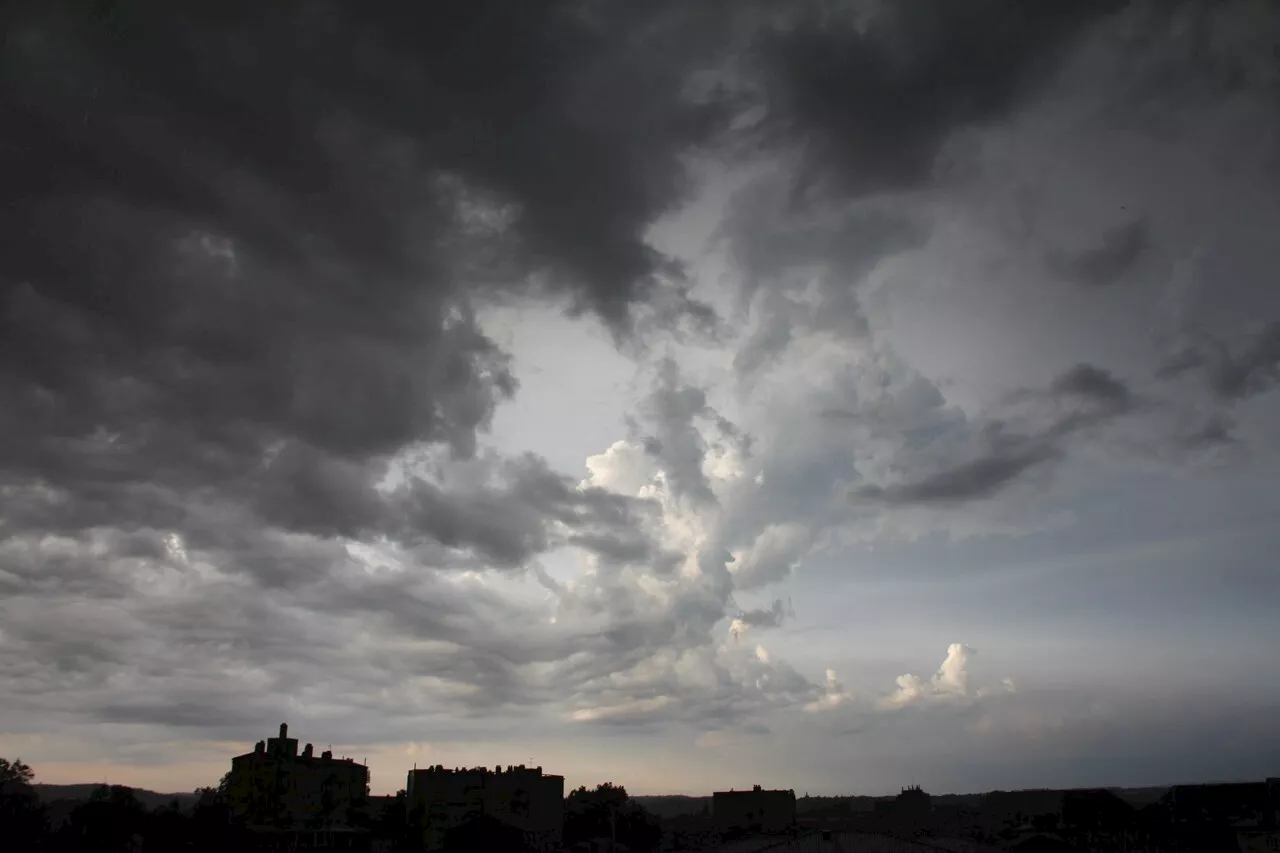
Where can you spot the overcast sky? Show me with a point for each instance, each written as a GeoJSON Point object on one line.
{"type": "Point", "coordinates": [830, 395]}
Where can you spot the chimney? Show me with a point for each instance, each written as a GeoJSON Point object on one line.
{"type": "Point", "coordinates": [260, 747]}
{"type": "Point", "coordinates": [307, 751]}
{"type": "Point", "coordinates": [284, 731]}
{"type": "Point", "coordinates": [328, 753]}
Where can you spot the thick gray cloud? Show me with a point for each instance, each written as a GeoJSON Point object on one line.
{"type": "Point", "coordinates": [246, 378]}
{"type": "Point", "coordinates": [978, 478]}
{"type": "Point", "coordinates": [1252, 368]}
{"type": "Point", "coordinates": [804, 276]}
{"type": "Point", "coordinates": [670, 410]}
{"type": "Point", "coordinates": [242, 257]}
{"type": "Point", "coordinates": [506, 521]}
{"type": "Point", "coordinates": [1092, 383]}
{"type": "Point", "coordinates": [1119, 250]}
{"type": "Point", "coordinates": [241, 250]}
{"type": "Point", "coordinates": [872, 91]}
{"type": "Point", "coordinates": [1083, 397]}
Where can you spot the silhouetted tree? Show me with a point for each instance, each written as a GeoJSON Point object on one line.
{"type": "Point", "coordinates": [22, 818]}
{"type": "Point", "coordinates": [212, 829]}
{"type": "Point", "coordinates": [107, 823]}
{"type": "Point", "coordinates": [607, 812]}
{"type": "Point", "coordinates": [1045, 822]}
{"type": "Point", "coordinates": [484, 833]}
{"type": "Point", "coordinates": [167, 828]}
{"type": "Point", "coordinates": [15, 773]}
{"type": "Point", "coordinates": [392, 824]}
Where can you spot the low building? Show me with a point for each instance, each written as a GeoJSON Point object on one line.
{"type": "Point", "coordinates": [440, 800]}
{"type": "Point", "coordinates": [276, 787]}
{"type": "Point", "coordinates": [756, 810]}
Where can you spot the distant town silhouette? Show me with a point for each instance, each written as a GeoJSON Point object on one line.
{"type": "Point", "coordinates": [276, 797]}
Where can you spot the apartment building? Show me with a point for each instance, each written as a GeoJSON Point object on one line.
{"type": "Point", "coordinates": [756, 810]}
{"type": "Point", "coordinates": [275, 786]}
{"type": "Point", "coordinates": [440, 799]}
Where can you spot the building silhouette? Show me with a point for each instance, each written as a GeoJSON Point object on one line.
{"type": "Point", "coordinates": [274, 787]}
{"type": "Point", "coordinates": [440, 800]}
{"type": "Point", "coordinates": [912, 805]}
{"type": "Point", "coordinates": [756, 810]}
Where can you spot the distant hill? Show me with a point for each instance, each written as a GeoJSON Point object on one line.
{"type": "Point", "coordinates": [1139, 797]}
{"type": "Point", "coordinates": [674, 805]}
{"type": "Point", "coordinates": [149, 799]}
{"type": "Point", "coordinates": [807, 806]}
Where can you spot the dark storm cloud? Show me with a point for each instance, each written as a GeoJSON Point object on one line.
{"type": "Point", "coordinates": [526, 103]}
{"type": "Point", "coordinates": [508, 524]}
{"type": "Point", "coordinates": [233, 243]}
{"type": "Point", "coordinates": [241, 259]}
{"type": "Point", "coordinates": [242, 252]}
{"type": "Point", "coordinates": [1083, 397]}
{"type": "Point", "coordinates": [486, 512]}
{"type": "Point", "coordinates": [1092, 383]}
{"type": "Point", "coordinates": [782, 254]}
{"type": "Point", "coordinates": [240, 248]}
{"type": "Point", "coordinates": [866, 96]}
{"type": "Point", "coordinates": [971, 480]}
{"type": "Point", "coordinates": [873, 91]}
{"type": "Point", "coordinates": [1215, 431]}
{"type": "Point", "coordinates": [1233, 373]}
{"type": "Point", "coordinates": [202, 712]}
{"type": "Point", "coordinates": [197, 644]}
{"type": "Point", "coordinates": [1119, 251]}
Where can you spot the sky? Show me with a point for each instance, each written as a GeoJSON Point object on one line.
{"type": "Point", "coordinates": [831, 395]}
